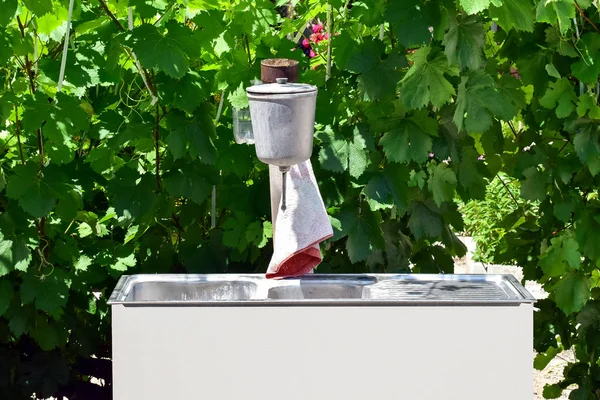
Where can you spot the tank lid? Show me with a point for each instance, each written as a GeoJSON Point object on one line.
{"type": "Point", "coordinates": [281, 87]}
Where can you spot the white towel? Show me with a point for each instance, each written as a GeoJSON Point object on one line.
{"type": "Point", "coordinates": [301, 227]}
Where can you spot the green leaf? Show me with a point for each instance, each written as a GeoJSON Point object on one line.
{"type": "Point", "coordinates": [39, 7]}
{"type": "Point", "coordinates": [572, 292]}
{"type": "Point", "coordinates": [363, 231]}
{"type": "Point", "coordinates": [518, 14]}
{"type": "Point", "coordinates": [19, 325]}
{"type": "Point", "coordinates": [588, 105]}
{"type": "Point", "coordinates": [586, 141]}
{"type": "Point", "coordinates": [6, 295]}
{"type": "Point", "coordinates": [563, 253]}
{"type": "Point", "coordinates": [475, 6]}
{"type": "Point", "coordinates": [535, 185]}
{"type": "Point", "coordinates": [169, 51]}
{"type": "Point", "coordinates": [424, 221]}
{"type": "Point", "coordinates": [238, 98]}
{"type": "Point", "coordinates": [563, 210]}
{"type": "Point", "coordinates": [61, 119]}
{"type": "Point", "coordinates": [37, 192]}
{"type": "Point", "coordinates": [8, 8]}
{"type": "Point", "coordinates": [388, 188]}
{"type": "Point", "coordinates": [552, 391]}
{"type": "Point", "coordinates": [235, 232]}
{"type": "Point", "coordinates": [122, 263]}
{"type": "Point", "coordinates": [48, 292]}
{"type": "Point", "coordinates": [379, 72]}
{"type": "Point", "coordinates": [82, 263]}
{"type": "Point", "coordinates": [14, 254]}
{"type": "Point", "coordinates": [193, 136]}
{"type": "Point", "coordinates": [189, 183]}
{"type": "Point", "coordinates": [464, 41]}
{"type": "Point", "coordinates": [554, 12]}
{"type": "Point", "coordinates": [411, 20]}
{"type": "Point", "coordinates": [587, 68]}
{"type": "Point", "coordinates": [410, 139]}
{"type": "Point", "coordinates": [479, 101]}
{"type": "Point", "coordinates": [425, 82]}
{"type": "Point", "coordinates": [442, 183]}
{"type": "Point", "coordinates": [560, 95]}
{"type": "Point", "coordinates": [339, 154]}
{"type": "Point", "coordinates": [542, 360]}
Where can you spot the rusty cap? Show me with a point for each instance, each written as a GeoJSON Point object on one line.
{"type": "Point", "coordinates": [273, 68]}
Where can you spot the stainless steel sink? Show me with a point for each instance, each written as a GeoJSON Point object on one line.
{"type": "Point", "coordinates": [192, 291]}
{"type": "Point", "coordinates": [384, 289]}
{"type": "Point", "coordinates": [223, 337]}
{"type": "Point", "coordinates": [316, 287]}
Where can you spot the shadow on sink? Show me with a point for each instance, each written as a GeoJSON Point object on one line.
{"type": "Point", "coordinates": [320, 288]}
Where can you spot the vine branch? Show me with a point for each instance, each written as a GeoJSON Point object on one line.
{"type": "Point", "coordinates": [111, 15]}
{"type": "Point", "coordinates": [508, 190]}
{"type": "Point", "coordinates": [586, 18]}
{"type": "Point", "coordinates": [157, 148]}
{"type": "Point", "coordinates": [18, 133]}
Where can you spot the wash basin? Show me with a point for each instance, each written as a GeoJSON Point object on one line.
{"type": "Point", "coordinates": [194, 289]}
{"type": "Point", "coordinates": [321, 287]}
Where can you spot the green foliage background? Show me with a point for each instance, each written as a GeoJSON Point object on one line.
{"type": "Point", "coordinates": [114, 173]}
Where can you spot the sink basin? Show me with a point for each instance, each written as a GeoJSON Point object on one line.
{"type": "Point", "coordinates": [315, 287]}
{"type": "Point", "coordinates": [200, 290]}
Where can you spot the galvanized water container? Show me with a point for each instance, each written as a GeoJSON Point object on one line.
{"type": "Point", "coordinates": [283, 119]}
{"type": "Point", "coordinates": [322, 337]}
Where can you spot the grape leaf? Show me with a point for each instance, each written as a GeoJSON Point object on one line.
{"type": "Point", "coordinates": [554, 12]}
{"type": "Point", "coordinates": [586, 141]}
{"type": "Point", "coordinates": [424, 221]}
{"type": "Point", "coordinates": [39, 7]}
{"type": "Point", "coordinates": [588, 105]}
{"type": "Point", "coordinates": [535, 184]}
{"type": "Point", "coordinates": [48, 293]}
{"type": "Point", "coordinates": [37, 192]}
{"type": "Point", "coordinates": [587, 68]}
{"type": "Point", "coordinates": [425, 82]}
{"type": "Point", "coordinates": [170, 52]}
{"type": "Point", "coordinates": [14, 254]}
{"type": "Point", "coordinates": [6, 295]}
{"type": "Point", "coordinates": [518, 14]}
{"type": "Point", "coordinates": [235, 231]}
{"type": "Point", "coordinates": [363, 231]}
{"type": "Point", "coordinates": [572, 292]}
{"type": "Point", "coordinates": [475, 6]}
{"type": "Point", "coordinates": [190, 183]}
{"type": "Point", "coordinates": [464, 41]}
{"type": "Point", "coordinates": [122, 263]}
{"type": "Point", "coordinates": [388, 188]}
{"type": "Point", "coordinates": [472, 184]}
{"type": "Point", "coordinates": [379, 72]}
{"type": "Point", "coordinates": [194, 136]}
{"type": "Point", "coordinates": [563, 253]}
{"type": "Point", "coordinates": [442, 183]}
{"type": "Point", "coordinates": [410, 139]}
{"type": "Point", "coordinates": [479, 100]}
{"type": "Point", "coordinates": [238, 98]}
{"type": "Point", "coordinates": [8, 8]}
{"type": "Point", "coordinates": [339, 154]}
{"type": "Point", "coordinates": [589, 243]}
{"type": "Point", "coordinates": [61, 119]}
{"type": "Point", "coordinates": [560, 95]}
{"type": "Point", "coordinates": [411, 20]}
{"type": "Point", "coordinates": [131, 194]}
